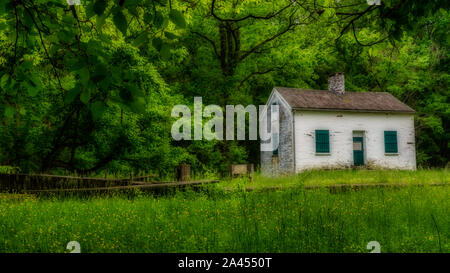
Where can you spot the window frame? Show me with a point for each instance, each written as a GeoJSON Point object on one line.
{"type": "Point", "coordinates": [322, 147]}
{"type": "Point", "coordinates": [389, 149]}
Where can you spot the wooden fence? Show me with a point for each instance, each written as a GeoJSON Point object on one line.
{"type": "Point", "coordinates": [32, 183]}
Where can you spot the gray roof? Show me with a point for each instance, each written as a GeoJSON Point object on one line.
{"type": "Point", "coordinates": [350, 101]}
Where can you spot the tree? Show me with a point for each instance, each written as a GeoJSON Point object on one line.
{"type": "Point", "coordinates": [76, 63]}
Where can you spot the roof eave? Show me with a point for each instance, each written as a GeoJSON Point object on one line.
{"type": "Point", "coordinates": [354, 110]}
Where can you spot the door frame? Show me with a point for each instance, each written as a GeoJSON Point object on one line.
{"type": "Point", "coordinates": [358, 136]}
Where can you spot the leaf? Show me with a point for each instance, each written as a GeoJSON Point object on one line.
{"type": "Point", "coordinates": [26, 65]}
{"type": "Point", "coordinates": [31, 88]}
{"type": "Point", "coordinates": [135, 91]}
{"type": "Point", "coordinates": [125, 95]}
{"type": "Point", "coordinates": [72, 94]}
{"type": "Point", "coordinates": [31, 42]}
{"type": "Point", "coordinates": [12, 84]}
{"type": "Point", "coordinates": [158, 20]}
{"type": "Point", "coordinates": [20, 74]}
{"type": "Point", "coordinates": [138, 106]}
{"type": "Point", "coordinates": [132, 6]}
{"type": "Point", "coordinates": [99, 74]}
{"type": "Point", "coordinates": [4, 80]}
{"type": "Point", "coordinates": [100, 6]}
{"type": "Point", "coordinates": [157, 43]}
{"type": "Point", "coordinates": [22, 110]}
{"type": "Point", "coordinates": [8, 84]}
{"type": "Point", "coordinates": [72, 63]}
{"type": "Point", "coordinates": [120, 21]}
{"type": "Point", "coordinates": [57, 4]}
{"type": "Point", "coordinates": [141, 39]}
{"type": "Point", "coordinates": [100, 21]}
{"type": "Point", "coordinates": [97, 109]}
{"type": "Point", "coordinates": [27, 20]}
{"type": "Point", "coordinates": [165, 52]}
{"type": "Point", "coordinates": [148, 17]}
{"type": "Point", "coordinates": [2, 7]}
{"type": "Point", "coordinates": [93, 47]}
{"type": "Point", "coordinates": [66, 36]}
{"type": "Point", "coordinates": [54, 48]}
{"type": "Point", "coordinates": [34, 80]}
{"type": "Point", "coordinates": [90, 10]}
{"type": "Point", "coordinates": [165, 23]}
{"type": "Point", "coordinates": [69, 19]}
{"type": "Point", "coordinates": [170, 35]}
{"type": "Point", "coordinates": [83, 73]}
{"type": "Point", "coordinates": [85, 95]}
{"type": "Point", "coordinates": [129, 76]}
{"type": "Point", "coordinates": [10, 111]}
{"type": "Point", "coordinates": [177, 18]}
{"type": "Point", "coordinates": [11, 91]}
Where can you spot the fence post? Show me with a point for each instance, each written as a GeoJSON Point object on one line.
{"type": "Point", "coordinates": [183, 172]}
{"type": "Point", "coordinates": [250, 171]}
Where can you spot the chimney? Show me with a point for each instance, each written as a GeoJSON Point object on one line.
{"type": "Point", "coordinates": [336, 83]}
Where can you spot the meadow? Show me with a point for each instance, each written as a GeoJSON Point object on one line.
{"type": "Point", "coordinates": [337, 177]}
{"type": "Point", "coordinates": [212, 219]}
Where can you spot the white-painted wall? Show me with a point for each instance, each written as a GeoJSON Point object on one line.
{"type": "Point", "coordinates": [341, 126]}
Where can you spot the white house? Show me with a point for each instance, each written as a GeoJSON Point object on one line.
{"type": "Point", "coordinates": [337, 129]}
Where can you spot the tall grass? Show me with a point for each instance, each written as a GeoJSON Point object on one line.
{"type": "Point", "coordinates": [331, 177]}
{"type": "Point", "coordinates": [412, 219]}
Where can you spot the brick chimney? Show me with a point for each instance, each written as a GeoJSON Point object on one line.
{"type": "Point", "coordinates": [336, 83]}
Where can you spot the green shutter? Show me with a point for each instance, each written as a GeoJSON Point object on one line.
{"type": "Point", "coordinates": [390, 142]}
{"type": "Point", "coordinates": [322, 141]}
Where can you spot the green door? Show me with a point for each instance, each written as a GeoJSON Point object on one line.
{"type": "Point", "coordinates": [358, 151]}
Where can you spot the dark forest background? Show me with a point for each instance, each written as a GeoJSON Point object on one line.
{"type": "Point", "coordinates": [91, 87]}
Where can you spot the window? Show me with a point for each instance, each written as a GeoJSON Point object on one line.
{"type": "Point", "coordinates": [322, 141]}
{"type": "Point", "coordinates": [390, 142]}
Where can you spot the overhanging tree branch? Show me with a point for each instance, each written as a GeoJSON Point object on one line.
{"type": "Point", "coordinates": [356, 15]}
{"type": "Point", "coordinates": [266, 17]}
{"type": "Point", "coordinates": [369, 44]}
{"type": "Point", "coordinates": [254, 73]}
{"type": "Point", "coordinates": [45, 48]}
{"type": "Point", "coordinates": [209, 40]}
{"type": "Point", "coordinates": [292, 24]}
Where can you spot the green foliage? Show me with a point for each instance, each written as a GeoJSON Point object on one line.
{"type": "Point", "coordinates": [99, 6]}
{"type": "Point", "coordinates": [8, 169]}
{"type": "Point", "coordinates": [66, 73]}
{"type": "Point", "coordinates": [177, 18]}
{"type": "Point", "coordinates": [120, 21]}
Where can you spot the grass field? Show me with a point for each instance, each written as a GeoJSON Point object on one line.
{"type": "Point", "coordinates": [409, 219]}
{"type": "Point", "coordinates": [333, 177]}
